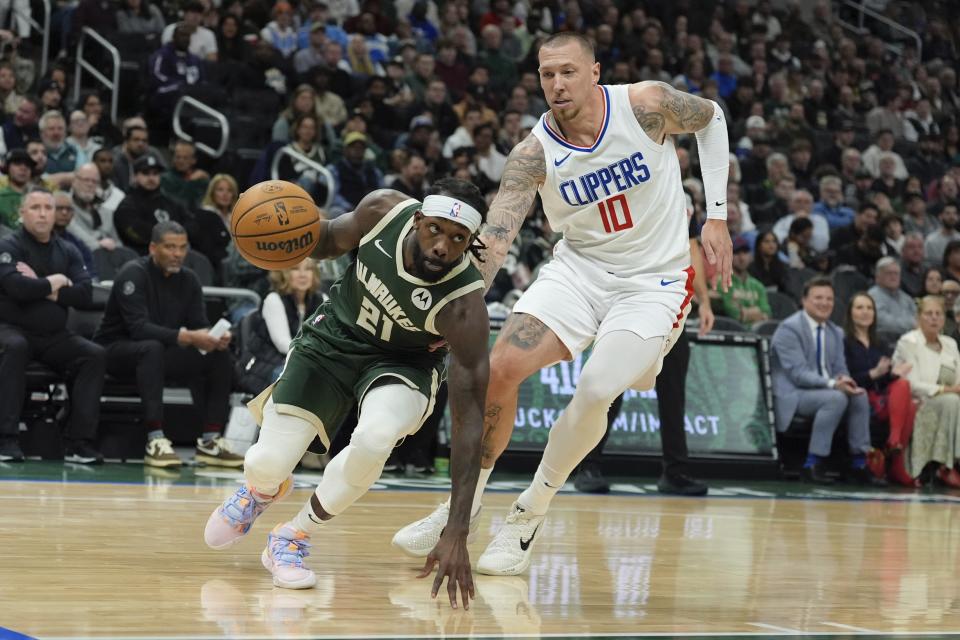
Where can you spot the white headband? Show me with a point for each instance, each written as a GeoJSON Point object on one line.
{"type": "Point", "coordinates": [452, 209]}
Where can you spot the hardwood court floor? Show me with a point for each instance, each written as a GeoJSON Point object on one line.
{"type": "Point", "coordinates": [80, 559]}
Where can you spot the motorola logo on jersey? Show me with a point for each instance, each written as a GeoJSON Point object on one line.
{"type": "Point", "coordinates": [616, 177]}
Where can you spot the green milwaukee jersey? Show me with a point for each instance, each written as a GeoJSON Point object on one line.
{"type": "Point", "coordinates": [379, 303]}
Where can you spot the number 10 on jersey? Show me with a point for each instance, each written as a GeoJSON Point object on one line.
{"type": "Point", "coordinates": [615, 213]}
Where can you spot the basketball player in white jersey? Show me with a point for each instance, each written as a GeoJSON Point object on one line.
{"type": "Point", "coordinates": [604, 164]}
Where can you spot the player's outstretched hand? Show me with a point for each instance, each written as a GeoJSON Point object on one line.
{"type": "Point", "coordinates": [718, 249]}
{"type": "Point", "coordinates": [454, 560]}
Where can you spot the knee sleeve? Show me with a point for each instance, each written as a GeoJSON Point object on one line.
{"type": "Point", "coordinates": [364, 458]}
{"type": "Point", "coordinates": [283, 440]}
{"type": "Point", "coordinates": [388, 413]}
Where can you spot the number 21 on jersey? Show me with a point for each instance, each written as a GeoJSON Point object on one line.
{"type": "Point", "coordinates": [369, 318]}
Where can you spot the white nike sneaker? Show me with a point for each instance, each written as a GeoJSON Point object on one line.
{"type": "Point", "coordinates": [418, 538]}
{"type": "Point", "coordinates": [509, 553]}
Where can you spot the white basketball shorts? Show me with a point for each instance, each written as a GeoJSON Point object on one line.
{"type": "Point", "coordinates": [580, 302]}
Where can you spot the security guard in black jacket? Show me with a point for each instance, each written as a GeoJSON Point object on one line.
{"type": "Point", "coordinates": [41, 275]}
{"type": "Point", "coordinates": [145, 206]}
{"type": "Point", "coordinates": [154, 327]}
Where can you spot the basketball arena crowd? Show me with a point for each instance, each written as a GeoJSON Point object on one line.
{"type": "Point", "coordinates": [844, 123]}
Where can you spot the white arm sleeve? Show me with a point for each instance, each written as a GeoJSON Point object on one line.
{"type": "Point", "coordinates": [276, 318]}
{"type": "Point", "coordinates": [714, 148]}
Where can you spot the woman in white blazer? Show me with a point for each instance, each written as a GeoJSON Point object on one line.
{"type": "Point", "coordinates": [935, 383]}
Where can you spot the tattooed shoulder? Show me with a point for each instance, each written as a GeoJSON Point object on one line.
{"type": "Point", "coordinates": [660, 109]}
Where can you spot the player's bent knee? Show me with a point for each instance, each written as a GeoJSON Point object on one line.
{"type": "Point", "coordinates": [365, 456]}
{"type": "Point", "coordinates": [265, 467]}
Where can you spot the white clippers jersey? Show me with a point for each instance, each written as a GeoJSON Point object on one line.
{"type": "Point", "coordinates": [620, 201]}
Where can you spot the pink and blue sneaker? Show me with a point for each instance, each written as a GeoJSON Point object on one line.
{"type": "Point", "coordinates": [232, 520]}
{"type": "Point", "coordinates": [283, 557]}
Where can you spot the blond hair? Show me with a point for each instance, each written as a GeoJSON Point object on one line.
{"type": "Point", "coordinates": [280, 280]}
{"type": "Point", "coordinates": [208, 196]}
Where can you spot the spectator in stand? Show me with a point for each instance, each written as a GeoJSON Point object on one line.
{"type": "Point", "coordinates": [810, 379]}
{"type": "Point", "coordinates": [92, 219]}
{"type": "Point", "coordinates": [872, 369]}
{"type": "Point", "coordinates": [887, 117]}
{"type": "Point", "coordinates": [329, 105]}
{"type": "Point", "coordinates": [767, 265]}
{"type": "Point", "coordinates": [884, 144]}
{"type": "Point", "coordinates": [183, 181]}
{"type": "Point", "coordinates": [80, 137]}
{"type": "Point", "coordinates": [10, 98]}
{"type": "Point", "coordinates": [279, 32]}
{"type": "Point", "coordinates": [110, 195]}
{"type": "Point", "coordinates": [354, 176]}
{"type": "Point", "coordinates": [488, 160]}
{"type": "Point", "coordinates": [61, 155]}
{"type": "Point", "coordinates": [934, 362]}
{"type": "Point", "coordinates": [436, 105]}
{"type": "Point", "coordinates": [917, 219]}
{"type": "Point", "coordinates": [203, 42]}
{"type": "Point", "coordinates": [155, 329]}
{"type": "Point", "coordinates": [935, 243]}
{"type": "Point", "coordinates": [831, 204]}
{"type": "Point", "coordinates": [412, 178]}
{"type": "Point", "coordinates": [887, 183]}
{"type": "Point", "coordinates": [768, 212]}
{"type": "Point", "coordinates": [135, 145]}
{"type": "Point", "coordinates": [231, 46]}
{"type": "Point", "coordinates": [63, 216]}
{"type": "Point", "coordinates": [896, 310]}
{"type": "Point", "coordinates": [22, 126]}
{"type": "Point", "coordinates": [797, 244]}
{"type": "Point", "coordinates": [41, 277]}
{"type": "Point", "coordinates": [41, 176]}
{"type": "Point", "coordinates": [746, 298]}
{"type": "Point", "coordinates": [145, 206]}
{"type": "Point", "coordinates": [842, 141]}
{"type": "Point", "coordinates": [140, 17]}
{"type": "Point", "coordinates": [310, 53]}
{"type": "Point", "coordinates": [912, 273]}
{"type": "Point", "coordinates": [950, 292]}
{"type": "Point", "coordinates": [951, 261]}
{"type": "Point", "coordinates": [893, 234]}
{"type": "Point", "coordinates": [463, 136]}
{"type": "Point", "coordinates": [928, 162]}
{"type": "Point", "coordinates": [102, 130]}
{"type": "Point", "coordinates": [801, 206]}
{"type": "Point", "coordinates": [865, 217]}
{"type": "Point", "coordinates": [863, 254]}
{"type": "Point", "coordinates": [19, 170]}
{"type": "Point", "coordinates": [172, 69]}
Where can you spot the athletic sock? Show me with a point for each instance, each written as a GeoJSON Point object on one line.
{"type": "Point", "coordinates": [536, 498]}
{"type": "Point", "coordinates": [154, 434]}
{"type": "Point", "coordinates": [211, 432]}
{"type": "Point", "coordinates": [858, 461]}
{"type": "Point", "coordinates": [308, 521]}
{"type": "Point", "coordinates": [812, 459]}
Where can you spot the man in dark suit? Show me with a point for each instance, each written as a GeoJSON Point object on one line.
{"type": "Point", "coordinates": [811, 379]}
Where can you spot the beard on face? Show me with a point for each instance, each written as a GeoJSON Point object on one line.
{"type": "Point", "coordinates": [420, 261]}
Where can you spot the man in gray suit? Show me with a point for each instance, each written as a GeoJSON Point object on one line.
{"type": "Point", "coordinates": [811, 379]}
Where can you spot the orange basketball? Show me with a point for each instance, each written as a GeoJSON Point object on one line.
{"type": "Point", "coordinates": [275, 224]}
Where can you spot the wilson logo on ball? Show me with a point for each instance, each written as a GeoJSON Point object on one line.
{"type": "Point", "coordinates": [287, 246]}
{"type": "Point", "coordinates": [272, 187]}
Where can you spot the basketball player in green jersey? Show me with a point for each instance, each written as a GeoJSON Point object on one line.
{"type": "Point", "coordinates": [411, 285]}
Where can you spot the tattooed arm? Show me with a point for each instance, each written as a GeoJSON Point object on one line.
{"type": "Point", "coordinates": [524, 173]}
{"type": "Point", "coordinates": [662, 110]}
